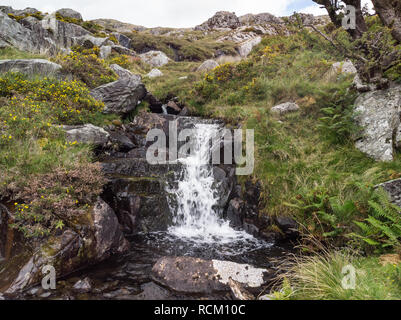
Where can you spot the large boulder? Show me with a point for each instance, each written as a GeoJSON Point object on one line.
{"type": "Point", "coordinates": [155, 58]}
{"type": "Point", "coordinates": [246, 47]}
{"type": "Point", "coordinates": [194, 275]}
{"type": "Point", "coordinates": [69, 13]}
{"type": "Point", "coordinates": [87, 133]}
{"type": "Point", "coordinates": [98, 238]}
{"type": "Point", "coordinates": [378, 113]}
{"type": "Point", "coordinates": [15, 35]}
{"type": "Point", "coordinates": [207, 66]}
{"type": "Point", "coordinates": [221, 20]}
{"type": "Point", "coordinates": [30, 67]}
{"type": "Point", "coordinates": [121, 96]}
{"type": "Point", "coordinates": [88, 41]}
{"type": "Point", "coordinates": [122, 40]}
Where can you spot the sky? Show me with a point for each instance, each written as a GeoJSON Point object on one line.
{"type": "Point", "coordinates": [168, 13]}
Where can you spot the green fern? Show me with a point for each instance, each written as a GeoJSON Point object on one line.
{"type": "Point", "coordinates": [382, 228]}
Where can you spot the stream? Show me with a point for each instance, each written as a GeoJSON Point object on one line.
{"type": "Point", "coordinates": [198, 230]}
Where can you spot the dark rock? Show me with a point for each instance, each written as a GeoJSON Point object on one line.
{"type": "Point", "coordinates": [194, 275]}
{"type": "Point", "coordinates": [184, 112]}
{"type": "Point", "coordinates": [123, 50]}
{"type": "Point", "coordinates": [122, 142]}
{"type": "Point", "coordinates": [155, 105]}
{"type": "Point", "coordinates": [393, 188]}
{"type": "Point", "coordinates": [4, 217]}
{"type": "Point", "coordinates": [123, 40]}
{"type": "Point", "coordinates": [121, 96]}
{"type": "Point", "coordinates": [288, 226]}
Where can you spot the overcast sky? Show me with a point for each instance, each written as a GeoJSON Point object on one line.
{"type": "Point", "coordinates": [167, 13]}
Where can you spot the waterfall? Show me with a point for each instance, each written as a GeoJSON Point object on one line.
{"type": "Point", "coordinates": [196, 214]}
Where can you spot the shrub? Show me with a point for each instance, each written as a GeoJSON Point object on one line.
{"type": "Point", "coordinates": [85, 66]}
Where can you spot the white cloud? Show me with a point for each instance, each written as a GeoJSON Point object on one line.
{"type": "Point", "coordinates": [172, 13]}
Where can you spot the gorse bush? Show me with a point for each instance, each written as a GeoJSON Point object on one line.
{"type": "Point", "coordinates": [86, 66]}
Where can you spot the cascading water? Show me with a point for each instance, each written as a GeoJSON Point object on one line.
{"type": "Point", "coordinates": [196, 197]}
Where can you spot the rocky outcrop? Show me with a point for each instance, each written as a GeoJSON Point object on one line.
{"type": "Point", "coordinates": [69, 13]}
{"type": "Point", "coordinates": [378, 113]}
{"type": "Point", "coordinates": [88, 134]}
{"type": "Point", "coordinates": [98, 238]}
{"type": "Point", "coordinates": [221, 20]}
{"type": "Point", "coordinates": [88, 41]}
{"type": "Point", "coordinates": [121, 96]}
{"type": "Point", "coordinates": [285, 108]}
{"type": "Point", "coordinates": [393, 188]}
{"type": "Point", "coordinates": [246, 47]}
{"type": "Point", "coordinates": [194, 275]}
{"type": "Point", "coordinates": [258, 19]}
{"type": "Point", "coordinates": [155, 58]}
{"type": "Point", "coordinates": [154, 73]}
{"type": "Point", "coordinates": [31, 67]}
{"type": "Point", "coordinates": [207, 66]}
{"type": "Point", "coordinates": [122, 40]}
{"type": "Point", "coordinates": [15, 35]}
{"type": "Point", "coordinates": [118, 26]}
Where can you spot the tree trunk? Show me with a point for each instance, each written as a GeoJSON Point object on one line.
{"type": "Point", "coordinates": [389, 12]}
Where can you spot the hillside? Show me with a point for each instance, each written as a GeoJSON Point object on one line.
{"type": "Point", "coordinates": [78, 98]}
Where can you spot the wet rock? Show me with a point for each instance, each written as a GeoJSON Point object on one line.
{"type": "Point", "coordinates": [69, 13]}
{"type": "Point", "coordinates": [173, 108]}
{"type": "Point", "coordinates": [87, 133]}
{"type": "Point", "coordinates": [108, 235]}
{"type": "Point", "coordinates": [288, 226]}
{"type": "Point", "coordinates": [155, 73]}
{"type": "Point", "coordinates": [121, 96]}
{"type": "Point", "coordinates": [83, 286]}
{"type": "Point", "coordinates": [151, 291]}
{"type": "Point", "coordinates": [207, 66]}
{"type": "Point", "coordinates": [221, 20]}
{"type": "Point", "coordinates": [378, 113]}
{"type": "Point", "coordinates": [155, 58]}
{"type": "Point", "coordinates": [194, 275]}
{"type": "Point", "coordinates": [246, 47]}
{"type": "Point", "coordinates": [285, 108]}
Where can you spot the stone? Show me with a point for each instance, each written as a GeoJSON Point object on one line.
{"type": "Point", "coordinates": [239, 292]}
{"type": "Point", "coordinates": [83, 286]}
{"type": "Point", "coordinates": [69, 13]}
{"type": "Point", "coordinates": [194, 275]}
{"type": "Point", "coordinates": [123, 50]}
{"type": "Point", "coordinates": [344, 67]}
{"type": "Point", "coordinates": [285, 108]}
{"type": "Point", "coordinates": [123, 40]}
{"type": "Point", "coordinates": [87, 133]}
{"type": "Point", "coordinates": [15, 35]}
{"type": "Point", "coordinates": [261, 18]}
{"type": "Point", "coordinates": [288, 226]}
{"type": "Point", "coordinates": [154, 73]}
{"type": "Point", "coordinates": [63, 34]}
{"type": "Point", "coordinates": [378, 113]}
{"type": "Point", "coordinates": [155, 58]}
{"type": "Point", "coordinates": [207, 66]}
{"type": "Point", "coordinates": [122, 96]}
{"type": "Point", "coordinates": [246, 47]}
{"type": "Point", "coordinates": [105, 52]}
{"type": "Point", "coordinates": [31, 67]}
{"type": "Point", "coordinates": [124, 73]}
{"type": "Point", "coordinates": [393, 188]}
{"type": "Point", "coordinates": [173, 108]}
{"type": "Point", "coordinates": [221, 20]}
{"type": "Point", "coordinates": [88, 41]}
{"type": "Point", "coordinates": [109, 239]}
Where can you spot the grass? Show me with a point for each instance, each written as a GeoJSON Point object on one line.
{"type": "Point", "coordinates": [320, 277]}
{"type": "Point", "coordinates": [12, 53]}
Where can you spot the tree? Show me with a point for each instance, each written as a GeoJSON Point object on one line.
{"type": "Point", "coordinates": [389, 12]}
{"type": "Point", "coordinates": [333, 8]}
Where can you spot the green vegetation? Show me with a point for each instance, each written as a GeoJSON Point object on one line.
{"type": "Point", "coordinates": [12, 53]}
{"type": "Point", "coordinates": [192, 46]}
{"type": "Point", "coordinates": [320, 277]}
{"type": "Point", "coordinates": [38, 15]}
